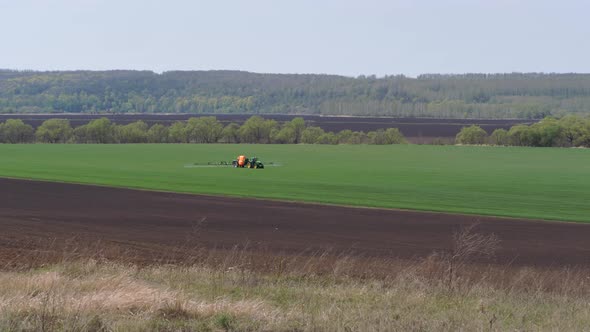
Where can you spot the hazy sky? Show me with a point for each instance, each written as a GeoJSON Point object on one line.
{"type": "Point", "coordinates": [298, 36]}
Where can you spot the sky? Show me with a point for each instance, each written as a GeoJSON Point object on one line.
{"type": "Point", "coordinates": [364, 37]}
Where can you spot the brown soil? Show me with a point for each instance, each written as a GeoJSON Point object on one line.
{"type": "Point", "coordinates": [40, 216]}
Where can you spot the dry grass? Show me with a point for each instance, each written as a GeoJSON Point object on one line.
{"type": "Point", "coordinates": [244, 290]}
{"type": "Point", "coordinates": [114, 297]}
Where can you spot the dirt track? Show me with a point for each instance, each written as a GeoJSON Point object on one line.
{"type": "Point", "coordinates": [35, 213]}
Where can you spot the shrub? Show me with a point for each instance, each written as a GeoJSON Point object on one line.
{"type": "Point", "coordinates": [471, 135]}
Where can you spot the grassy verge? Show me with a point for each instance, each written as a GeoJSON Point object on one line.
{"type": "Point", "coordinates": [516, 182]}
{"type": "Point", "coordinates": [93, 296]}
{"type": "Point", "coordinates": [245, 291]}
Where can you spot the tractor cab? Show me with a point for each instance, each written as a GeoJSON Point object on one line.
{"type": "Point", "coordinates": [244, 162]}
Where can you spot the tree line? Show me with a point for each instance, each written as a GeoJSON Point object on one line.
{"type": "Point", "coordinates": [568, 131]}
{"type": "Point", "coordinates": [499, 96]}
{"type": "Point", "coordinates": [205, 129]}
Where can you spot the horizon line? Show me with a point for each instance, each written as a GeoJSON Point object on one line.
{"type": "Point", "coordinates": [287, 73]}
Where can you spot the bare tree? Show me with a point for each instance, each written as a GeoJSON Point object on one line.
{"type": "Point", "coordinates": [468, 246]}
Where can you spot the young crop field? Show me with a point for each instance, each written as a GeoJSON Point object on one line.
{"type": "Point", "coordinates": [538, 183]}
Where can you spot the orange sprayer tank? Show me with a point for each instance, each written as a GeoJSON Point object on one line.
{"type": "Point", "coordinates": [241, 160]}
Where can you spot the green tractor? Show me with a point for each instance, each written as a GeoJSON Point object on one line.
{"type": "Point", "coordinates": [244, 162]}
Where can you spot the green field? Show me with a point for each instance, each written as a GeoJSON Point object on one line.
{"type": "Point", "coordinates": [547, 183]}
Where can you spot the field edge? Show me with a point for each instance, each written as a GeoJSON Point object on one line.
{"type": "Point", "coordinates": [306, 202]}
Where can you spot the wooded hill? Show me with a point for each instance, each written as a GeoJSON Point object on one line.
{"type": "Point", "coordinates": [525, 96]}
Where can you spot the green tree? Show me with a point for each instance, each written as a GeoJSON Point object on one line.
{"type": "Point", "coordinates": [547, 133]}
{"type": "Point", "coordinates": [389, 136]}
{"type": "Point", "coordinates": [286, 135]}
{"type": "Point", "coordinates": [516, 95]}
{"type": "Point", "coordinates": [520, 135]}
{"type": "Point", "coordinates": [499, 137]}
{"type": "Point", "coordinates": [252, 130]}
{"type": "Point", "coordinates": [358, 137]}
{"type": "Point", "coordinates": [344, 136]}
{"type": "Point", "coordinates": [178, 132]}
{"type": "Point", "coordinates": [204, 129]}
{"type": "Point", "coordinates": [297, 125]}
{"type": "Point", "coordinates": [471, 135]}
{"type": "Point", "coordinates": [135, 132]}
{"type": "Point", "coordinates": [100, 131]}
{"type": "Point", "coordinates": [269, 126]}
{"type": "Point", "coordinates": [54, 131]}
{"type": "Point", "coordinates": [573, 127]}
{"type": "Point", "coordinates": [394, 136]}
{"type": "Point", "coordinates": [328, 138]}
{"type": "Point", "coordinates": [81, 134]}
{"type": "Point", "coordinates": [231, 133]}
{"type": "Point", "coordinates": [257, 130]}
{"type": "Point", "coordinates": [584, 138]}
{"type": "Point", "coordinates": [16, 131]}
{"type": "Point", "coordinates": [311, 134]}
{"type": "Point", "coordinates": [377, 137]}
{"type": "Point", "coordinates": [158, 134]}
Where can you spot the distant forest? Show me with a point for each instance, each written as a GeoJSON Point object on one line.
{"type": "Point", "coordinates": [484, 96]}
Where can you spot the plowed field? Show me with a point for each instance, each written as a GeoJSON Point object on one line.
{"type": "Point", "coordinates": [36, 217]}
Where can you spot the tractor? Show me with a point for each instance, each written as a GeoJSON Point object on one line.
{"type": "Point", "coordinates": [245, 162]}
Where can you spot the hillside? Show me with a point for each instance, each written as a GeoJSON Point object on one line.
{"type": "Point", "coordinates": [523, 96]}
